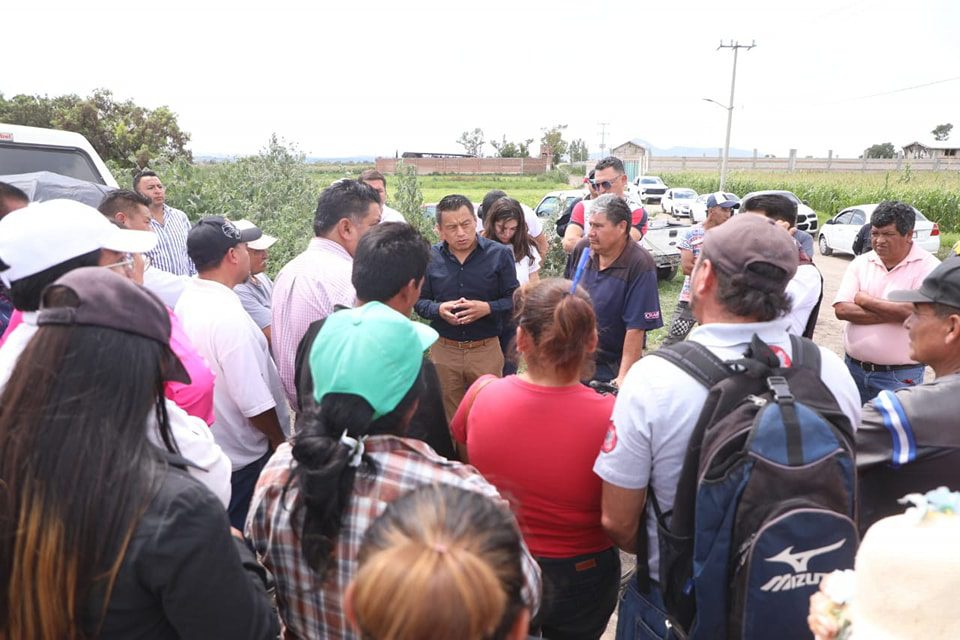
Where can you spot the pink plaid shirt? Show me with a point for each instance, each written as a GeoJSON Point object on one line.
{"type": "Point", "coordinates": [307, 289]}
{"type": "Point", "coordinates": [311, 607]}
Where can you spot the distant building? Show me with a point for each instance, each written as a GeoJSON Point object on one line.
{"type": "Point", "coordinates": [635, 157]}
{"type": "Point", "coordinates": [921, 150]}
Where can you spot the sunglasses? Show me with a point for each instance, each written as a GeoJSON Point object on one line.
{"type": "Point", "coordinates": [606, 185]}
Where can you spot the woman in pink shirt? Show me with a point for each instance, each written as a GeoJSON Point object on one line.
{"type": "Point", "coordinates": [535, 436]}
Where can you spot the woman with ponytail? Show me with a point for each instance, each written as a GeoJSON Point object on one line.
{"type": "Point", "coordinates": [103, 534]}
{"type": "Point", "coordinates": [317, 497]}
{"type": "Point", "coordinates": [535, 436]}
{"type": "Point", "coordinates": [443, 563]}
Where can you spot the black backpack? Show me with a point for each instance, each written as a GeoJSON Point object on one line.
{"type": "Point", "coordinates": [765, 504]}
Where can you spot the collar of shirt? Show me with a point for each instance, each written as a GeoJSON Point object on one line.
{"type": "Point", "coordinates": [622, 261]}
{"type": "Point", "coordinates": [30, 318]}
{"type": "Point", "coordinates": [725, 334]}
{"type": "Point", "coordinates": [328, 246]}
{"type": "Point", "coordinates": [482, 244]}
{"type": "Point", "coordinates": [915, 253]}
{"type": "Point", "coordinates": [213, 287]}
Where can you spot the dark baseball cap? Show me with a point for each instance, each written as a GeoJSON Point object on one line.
{"type": "Point", "coordinates": [212, 236]}
{"type": "Point", "coordinates": [942, 286]}
{"type": "Point", "coordinates": [108, 300]}
{"type": "Point", "coordinates": [738, 244]}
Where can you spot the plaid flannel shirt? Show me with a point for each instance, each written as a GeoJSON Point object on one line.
{"type": "Point", "coordinates": [311, 607]}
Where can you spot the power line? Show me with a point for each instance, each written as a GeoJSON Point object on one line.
{"type": "Point", "coordinates": [916, 86]}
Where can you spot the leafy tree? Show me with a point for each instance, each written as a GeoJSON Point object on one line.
{"type": "Point", "coordinates": [124, 132]}
{"type": "Point", "coordinates": [512, 149]}
{"type": "Point", "coordinates": [884, 150]}
{"type": "Point", "coordinates": [579, 151]}
{"type": "Point", "coordinates": [472, 141]}
{"type": "Point", "coordinates": [407, 197]}
{"type": "Point", "coordinates": [941, 132]}
{"type": "Point", "coordinates": [553, 143]}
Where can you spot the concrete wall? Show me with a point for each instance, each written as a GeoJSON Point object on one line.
{"type": "Point", "coordinates": [666, 164]}
{"type": "Point", "coordinates": [515, 166]}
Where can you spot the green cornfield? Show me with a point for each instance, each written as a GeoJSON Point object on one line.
{"type": "Point", "coordinates": [936, 194]}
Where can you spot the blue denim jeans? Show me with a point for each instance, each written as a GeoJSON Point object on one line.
{"type": "Point", "coordinates": [242, 483]}
{"type": "Point", "coordinates": [579, 595]}
{"type": "Point", "coordinates": [871, 383]}
{"type": "Point", "coordinates": [641, 615]}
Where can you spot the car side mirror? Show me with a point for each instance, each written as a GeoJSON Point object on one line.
{"type": "Point", "coordinates": [805, 202]}
{"type": "Point", "coordinates": [830, 221]}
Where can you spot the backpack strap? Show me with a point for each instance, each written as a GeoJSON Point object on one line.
{"type": "Point", "coordinates": [805, 353]}
{"type": "Point", "coordinates": [696, 360]}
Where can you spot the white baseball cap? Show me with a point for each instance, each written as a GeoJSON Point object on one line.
{"type": "Point", "coordinates": [45, 234]}
{"type": "Point", "coordinates": [262, 243]}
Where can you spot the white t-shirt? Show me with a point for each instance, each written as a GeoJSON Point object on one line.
{"type": "Point", "coordinates": [534, 225]}
{"type": "Point", "coordinates": [167, 286]}
{"type": "Point", "coordinates": [191, 434]}
{"type": "Point", "coordinates": [804, 291]}
{"type": "Point", "coordinates": [236, 351]}
{"type": "Point", "coordinates": [528, 265]}
{"type": "Point", "coordinates": [389, 214]}
{"type": "Point", "coordinates": [659, 404]}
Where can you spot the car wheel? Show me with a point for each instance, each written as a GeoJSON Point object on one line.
{"type": "Point", "coordinates": [666, 274]}
{"type": "Point", "coordinates": [825, 249]}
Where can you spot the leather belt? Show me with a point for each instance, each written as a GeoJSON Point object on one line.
{"type": "Point", "coordinates": [874, 368]}
{"type": "Point", "coordinates": [466, 344]}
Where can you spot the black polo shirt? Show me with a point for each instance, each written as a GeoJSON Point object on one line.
{"type": "Point", "coordinates": [489, 274]}
{"type": "Point", "coordinates": [625, 295]}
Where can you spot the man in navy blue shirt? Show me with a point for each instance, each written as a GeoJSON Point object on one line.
{"type": "Point", "coordinates": [469, 283]}
{"type": "Point", "coordinates": [621, 278]}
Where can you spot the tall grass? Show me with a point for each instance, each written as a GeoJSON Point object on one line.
{"type": "Point", "coordinates": [936, 194]}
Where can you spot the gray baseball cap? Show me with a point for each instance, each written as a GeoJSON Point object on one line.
{"type": "Point", "coordinates": [737, 245]}
{"type": "Point", "coordinates": [941, 286]}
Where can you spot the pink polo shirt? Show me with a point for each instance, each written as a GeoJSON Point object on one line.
{"type": "Point", "coordinates": [886, 343]}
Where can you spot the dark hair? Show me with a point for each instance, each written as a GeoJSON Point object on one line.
{"type": "Point", "coordinates": [76, 474]}
{"type": "Point", "coordinates": [342, 199]}
{"type": "Point", "coordinates": [611, 162]}
{"type": "Point", "coordinates": [744, 300]}
{"type": "Point", "coordinates": [140, 175]}
{"type": "Point", "coordinates": [440, 562]}
{"type": "Point", "coordinates": [453, 202]}
{"type": "Point", "coordinates": [373, 174]}
{"type": "Point", "coordinates": [614, 208]}
{"type": "Point", "coordinates": [25, 292]}
{"type": "Point", "coordinates": [488, 200]}
{"type": "Point", "coordinates": [944, 311]}
{"type": "Point", "coordinates": [503, 210]}
{"type": "Point", "coordinates": [774, 206]}
{"type": "Point", "coordinates": [387, 258]}
{"type": "Point", "coordinates": [896, 213]}
{"type": "Point", "coordinates": [121, 199]}
{"type": "Point", "coordinates": [322, 472]}
{"type": "Point", "coordinates": [10, 195]}
{"type": "Point", "coordinates": [559, 322]}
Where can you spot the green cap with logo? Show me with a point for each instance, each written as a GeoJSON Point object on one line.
{"type": "Point", "coordinates": [370, 351]}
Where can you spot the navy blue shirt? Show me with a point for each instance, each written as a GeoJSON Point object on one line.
{"type": "Point", "coordinates": [625, 296]}
{"type": "Point", "coordinates": [488, 274]}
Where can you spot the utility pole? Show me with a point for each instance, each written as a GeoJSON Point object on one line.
{"type": "Point", "coordinates": [603, 138]}
{"type": "Point", "coordinates": [736, 46]}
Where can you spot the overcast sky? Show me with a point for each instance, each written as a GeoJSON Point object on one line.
{"type": "Point", "coordinates": [376, 77]}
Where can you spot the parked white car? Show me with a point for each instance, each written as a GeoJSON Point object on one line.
{"type": "Point", "coordinates": [806, 217]}
{"type": "Point", "coordinates": [678, 202]}
{"type": "Point", "coordinates": [30, 149]}
{"type": "Point", "coordinates": [838, 233]}
{"type": "Point", "coordinates": [651, 188]}
{"type": "Point", "coordinates": [698, 208]}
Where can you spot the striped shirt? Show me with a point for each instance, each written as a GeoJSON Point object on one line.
{"type": "Point", "coordinates": [170, 253]}
{"type": "Point", "coordinates": [311, 607]}
{"type": "Point", "coordinates": [307, 289]}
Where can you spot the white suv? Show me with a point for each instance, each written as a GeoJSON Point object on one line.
{"type": "Point", "coordinates": [651, 188]}
{"type": "Point", "coordinates": [30, 149]}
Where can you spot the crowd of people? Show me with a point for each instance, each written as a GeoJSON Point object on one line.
{"type": "Point", "coordinates": [189, 448]}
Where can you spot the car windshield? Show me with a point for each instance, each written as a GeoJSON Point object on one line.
{"type": "Point", "coordinates": [650, 181]}
{"type": "Point", "coordinates": [685, 194]}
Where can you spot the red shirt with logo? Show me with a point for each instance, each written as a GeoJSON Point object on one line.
{"type": "Point", "coordinates": [537, 445]}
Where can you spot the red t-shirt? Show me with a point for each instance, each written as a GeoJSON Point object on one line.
{"type": "Point", "coordinates": [537, 445]}
{"type": "Point", "coordinates": [640, 220]}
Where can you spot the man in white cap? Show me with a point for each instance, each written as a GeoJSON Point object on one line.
{"type": "Point", "coordinates": [46, 240]}
{"type": "Point", "coordinates": [255, 292]}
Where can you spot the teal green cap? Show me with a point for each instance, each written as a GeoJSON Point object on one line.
{"type": "Point", "coordinates": [370, 351]}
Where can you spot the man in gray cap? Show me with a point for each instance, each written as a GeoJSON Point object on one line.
{"type": "Point", "coordinates": [908, 441]}
{"type": "Point", "coordinates": [738, 290]}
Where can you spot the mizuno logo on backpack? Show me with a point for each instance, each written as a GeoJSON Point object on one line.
{"type": "Point", "coordinates": [764, 506]}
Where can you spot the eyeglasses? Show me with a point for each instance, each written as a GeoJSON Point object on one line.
{"type": "Point", "coordinates": [125, 265]}
{"type": "Point", "coordinates": [146, 261]}
{"type": "Point", "coordinates": [606, 185]}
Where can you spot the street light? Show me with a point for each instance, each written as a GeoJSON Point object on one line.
{"type": "Point", "coordinates": [726, 145]}
{"type": "Point", "coordinates": [733, 84]}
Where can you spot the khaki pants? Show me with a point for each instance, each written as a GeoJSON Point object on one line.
{"type": "Point", "coordinates": [458, 367]}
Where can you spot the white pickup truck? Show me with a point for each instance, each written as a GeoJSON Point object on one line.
{"type": "Point", "coordinates": [661, 239]}
{"type": "Point", "coordinates": [32, 149]}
